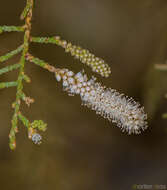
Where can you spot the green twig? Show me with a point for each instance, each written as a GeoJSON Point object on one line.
{"type": "Point", "coordinates": [26, 10]}
{"type": "Point", "coordinates": [21, 72]}
{"type": "Point", "coordinates": [52, 40]}
{"type": "Point", "coordinates": [9, 68]}
{"type": "Point", "coordinates": [37, 61]}
{"type": "Point", "coordinates": [11, 54]}
{"type": "Point", "coordinates": [11, 29]}
{"type": "Point", "coordinates": [41, 63]}
{"type": "Point", "coordinates": [26, 78]}
{"type": "Point", "coordinates": [8, 84]}
{"type": "Point", "coordinates": [24, 120]}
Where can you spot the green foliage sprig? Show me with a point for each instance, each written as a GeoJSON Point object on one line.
{"type": "Point", "coordinates": [109, 103]}
{"type": "Point", "coordinates": [20, 96]}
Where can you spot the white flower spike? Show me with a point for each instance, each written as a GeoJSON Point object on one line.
{"type": "Point", "coordinates": [125, 112]}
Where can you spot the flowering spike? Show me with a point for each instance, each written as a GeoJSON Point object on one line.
{"type": "Point", "coordinates": [98, 65]}
{"type": "Point", "coordinates": [109, 103]}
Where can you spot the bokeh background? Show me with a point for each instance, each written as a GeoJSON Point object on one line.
{"type": "Point", "coordinates": [80, 150]}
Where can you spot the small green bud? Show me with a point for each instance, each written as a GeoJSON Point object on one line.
{"type": "Point", "coordinates": [39, 124]}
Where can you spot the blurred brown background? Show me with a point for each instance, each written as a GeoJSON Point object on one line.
{"type": "Point", "coordinates": [80, 150]}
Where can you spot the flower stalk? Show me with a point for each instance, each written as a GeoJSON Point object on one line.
{"type": "Point", "coordinates": [109, 103]}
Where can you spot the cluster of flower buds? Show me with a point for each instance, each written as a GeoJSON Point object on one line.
{"type": "Point", "coordinates": [97, 64]}
{"type": "Point", "coordinates": [33, 131]}
{"type": "Point", "coordinates": [109, 103]}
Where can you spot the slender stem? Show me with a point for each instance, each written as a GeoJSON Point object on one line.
{"type": "Point", "coordinates": [41, 63]}
{"type": "Point", "coordinates": [52, 40]}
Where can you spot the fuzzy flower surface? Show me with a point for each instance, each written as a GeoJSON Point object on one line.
{"type": "Point", "coordinates": [118, 108]}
